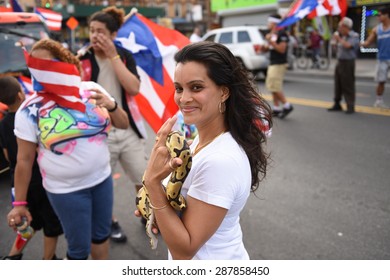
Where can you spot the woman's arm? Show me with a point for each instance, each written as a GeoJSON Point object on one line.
{"type": "Point", "coordinates": [128, 80]}
{"type": "Point", "coordinates": [200, 220]}
{"type": "Point", "coordinates": [23, 170]}
{"type": "Point", "coordinates": [118, 116]}
{"type": "Point", "coordinates": [184, 237]}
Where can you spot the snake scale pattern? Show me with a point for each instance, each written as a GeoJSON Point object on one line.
{"type": "Point", "coordinates": [177, 147]}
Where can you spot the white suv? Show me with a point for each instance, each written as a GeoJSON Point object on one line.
{"type": "Point", "coordinates": [245, 43]}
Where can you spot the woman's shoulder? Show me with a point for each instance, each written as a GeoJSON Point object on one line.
{"type": "Point", "coordinates": [225, 150]}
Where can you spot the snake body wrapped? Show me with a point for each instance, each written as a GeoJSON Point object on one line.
{"type": "Point", "coordinates": [177, 147]}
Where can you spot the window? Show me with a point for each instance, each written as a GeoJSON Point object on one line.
{"type": "Point", "coordinates": [243, 37]}
{"type": "Point", "coordinates": [226, 38]}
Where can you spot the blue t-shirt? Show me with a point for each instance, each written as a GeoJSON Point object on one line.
{"type": "Point", "coordinates": [383, 39]}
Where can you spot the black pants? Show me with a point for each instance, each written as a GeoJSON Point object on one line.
{"type": "Point", "coordinates": [344, 82]}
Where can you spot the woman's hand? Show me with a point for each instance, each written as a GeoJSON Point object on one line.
{"type": "Point", "coordinates": [160, 164]}
{"type": "Point", "coordinates": [102, 100]}
{"type": "Point", "coordinates": [106, 45]}
{"type": "Point", "coordinates": [16, 215]}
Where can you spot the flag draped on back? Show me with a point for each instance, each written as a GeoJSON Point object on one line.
{"type": "Point", "coordinates": [53, 19]}
{"type": "Point", "coordinates": [153, 47]}
{"type": "Point", "coordinates": [58, 79]}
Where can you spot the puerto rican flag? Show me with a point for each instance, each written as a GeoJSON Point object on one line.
{"type": "Point", "coordinates": [52, 19]}
{"type": "Point", "coordinates": [329, 7]}
{"type": "Point", "coordinates": [298, 10]}
{"type": "Point", "coordinates": [26, 84]}
{"type": "Point", "coordinates": [153, 48]}
{"type": "Point", "coordinates": [58, 79]}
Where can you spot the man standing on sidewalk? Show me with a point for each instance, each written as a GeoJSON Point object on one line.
{"type": "Point", "coordinates": [344, 77]}
{"type": "Point", "coordinates": [382, 34]}
{"type": "Point", "coordinates": [277, 45]}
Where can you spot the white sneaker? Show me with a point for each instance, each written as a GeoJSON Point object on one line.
{"type": "Point", "coordinates": [380, 104]}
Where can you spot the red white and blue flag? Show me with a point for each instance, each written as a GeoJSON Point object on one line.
{"type": "Point", "coordinates": [298, 10]}
{"type": "Point", "coordinates": [26, 84]}
{"type": "Point", "coordinates": [52, 19]}
{"type": "Point", "coordinates": [329, 7]}
{"type": "Point", "coordinates": [153, 48]}
{"type": "Point", "coordinates": [58, 79]}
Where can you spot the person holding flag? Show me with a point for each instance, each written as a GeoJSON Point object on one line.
{"type": "Point", "coordinates": [277, 40]}
{"type": "Point", "coordinates": [67, 121]}
{"type": "Point", "coordinates": [114, 68]}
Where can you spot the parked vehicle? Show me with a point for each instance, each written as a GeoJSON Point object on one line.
{"type": "Point", "coordinates": [17, 29]}
{"type": "Point", "coordinates": [245, 43]}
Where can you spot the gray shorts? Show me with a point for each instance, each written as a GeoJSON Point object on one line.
{"type": "Point", "coordinates": [127, 148]}
{"type": "Point", "coordinates": [382, 70]}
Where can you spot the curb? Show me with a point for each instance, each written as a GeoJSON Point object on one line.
{"type": "Point", "coordinates": [326, 74]}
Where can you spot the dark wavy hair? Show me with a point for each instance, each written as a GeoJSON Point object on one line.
{"type": "Point", "coordinates": [244, 106]}
{"type": "Point", "coordinates": [112, 17]}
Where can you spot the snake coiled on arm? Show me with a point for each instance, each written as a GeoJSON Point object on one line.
{"type": "Point", "coordinates": [177, 147]}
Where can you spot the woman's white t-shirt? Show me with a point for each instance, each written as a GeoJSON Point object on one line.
{"type": "Point", "coordinates": [220, 175]}
{"type": "Point", "coordinates": [72, 149]}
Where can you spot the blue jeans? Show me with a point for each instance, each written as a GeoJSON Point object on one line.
{"type": "Point", "coordinates": [85, 216]}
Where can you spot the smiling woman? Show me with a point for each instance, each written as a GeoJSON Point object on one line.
{"type": "Point", "coordinates": [213, 92]}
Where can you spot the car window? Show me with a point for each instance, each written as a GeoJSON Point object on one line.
{"type": "Point", "coordinates": [11, 55]}
{"type": "Point", "coordinates": [243, 37]}
{"type": "Point", "coordinates": [210, 38]}
{"type": "Point", "coordinates": [226, 38]}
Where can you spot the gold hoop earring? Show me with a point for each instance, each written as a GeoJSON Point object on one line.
{"type": "Point", "coordinates": [222, 107]}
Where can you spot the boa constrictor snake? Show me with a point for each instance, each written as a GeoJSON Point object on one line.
{"type": "Point", "coordinates": [177, 147]}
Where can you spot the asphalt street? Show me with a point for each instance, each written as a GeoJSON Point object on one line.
{"type": "Point", "coordinates": [326, 195]}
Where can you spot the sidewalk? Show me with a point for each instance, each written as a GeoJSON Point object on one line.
{"type": "Point", "coordinates": [365, 70]}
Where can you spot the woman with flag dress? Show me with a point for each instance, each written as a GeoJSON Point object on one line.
{"type": "Point", "coordinates": [67, 122]}
{"type": "Point", "coordinates": [114, 68]}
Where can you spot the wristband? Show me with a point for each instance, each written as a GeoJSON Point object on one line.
{"type": "Point", "coordinates": [157, 208]}
{"type": "Point", "coordinates": [113, 109]}
{"type": "Point", "coordinates": [115, 57]}
{"type": "Point", "coordinates": [19, 203]}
